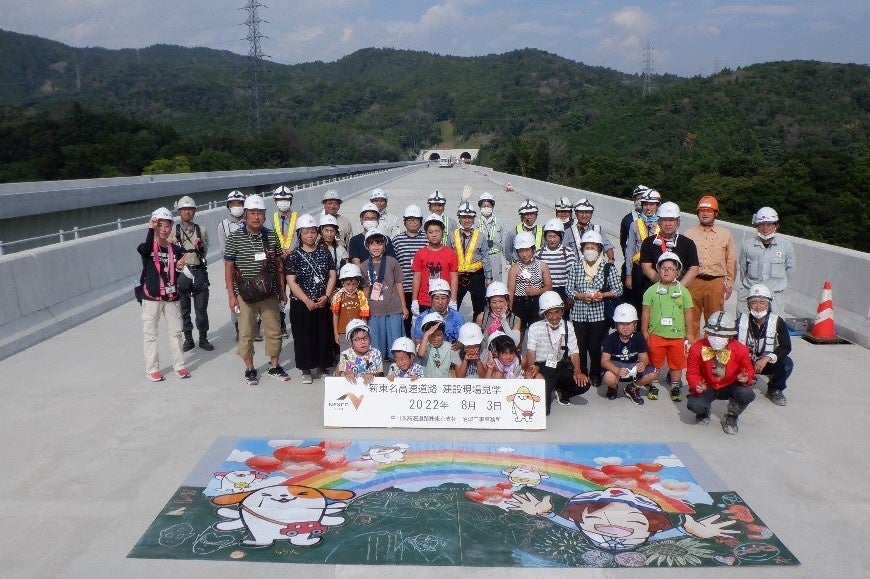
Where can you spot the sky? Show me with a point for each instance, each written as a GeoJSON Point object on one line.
{"type": "Point", "coordinates": [688, 37]}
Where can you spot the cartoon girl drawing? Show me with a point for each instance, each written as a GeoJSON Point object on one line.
{"type": "Point", "coordinates": [617, 519]}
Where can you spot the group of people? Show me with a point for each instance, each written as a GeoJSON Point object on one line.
{"type": "Point", "coordinates": [385, 301]}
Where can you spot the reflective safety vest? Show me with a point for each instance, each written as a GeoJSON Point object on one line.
{"type": "Point", "coordinates": [539, 234]}
{"type": "Point", "coordinates": [758, 350]}
{"type": "Point", "coordinates": [642, 233]}
{"type": "Point", "coordinates": [464, 256]}
{"type": "Point", "coordinates": [285, 240]}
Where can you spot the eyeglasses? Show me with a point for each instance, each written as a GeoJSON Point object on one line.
{"type": "Point", "coordinates": [360, 339]}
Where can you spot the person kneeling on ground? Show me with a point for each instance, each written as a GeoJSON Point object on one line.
{"type": "Point", "coordinates": [403, 365]}
{"type": "Point", "coordinates": [360, 360]}
{"type": "Point", "coordinates": [504, 359]}
{"type": "Point", "coordinates": [467, 363]}
{"type": "Point", "coordinates": [720, 368]}
{"type": "Point", "coordinates": [624, 358]}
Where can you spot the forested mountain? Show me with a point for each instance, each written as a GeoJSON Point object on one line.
{"type": "Point", "coordinates": [790, 134]}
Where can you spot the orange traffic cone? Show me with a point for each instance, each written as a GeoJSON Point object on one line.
{"type": "Point", "coordinates": [823, 330]}
{"type": "Point", "coordinates": [508, 187]}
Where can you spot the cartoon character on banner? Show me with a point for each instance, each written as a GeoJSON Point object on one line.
{"type": "Point", "coordinates": [618, 519]}
{"type": "Point", "coordinates": [524, 476]}
{"type": "Point", "coordinates": [386, 454]}
{"type": "Point", "coordinates": [285, 512]}
{"type": "Point", "coordinates": [237, 480]}
{"type": "Point", "coordinates": [523, 404]}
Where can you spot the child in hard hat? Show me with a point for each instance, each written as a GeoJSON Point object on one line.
{"type": "Point", "coordinates": [360, 360]}
{"type": "Point", "coordinates": [504, 359]}
{"type": "Point", "coordinates": [434, 351]}
{"type": "Point", "coordinates": [468, 362]}
{"type": "Point", "coordinates": [382, 276]}
{"type": "Point", "coordinates": [667, 323]}
{"type": "Point", "coordinates": [624, 358]}
{"type": "Point", "coordinates": [348, 303]}
{"type": "Point", "coordinates": [403, 365]}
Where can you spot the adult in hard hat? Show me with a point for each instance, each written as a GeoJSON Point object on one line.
{"type": "Point", "coordinates": [388, 223]}
{"type": "Point", "coordinates": [472, 255]}
{"type": "Point", "coordinates": [327, 226]}
{"type": "Point", "coordinates": [583, 211]}
{"type": "Point", "coordinates": [369, 216]}
{"type": "Point", "coordinates": [720, 368]}
{"type": "Point", "coordinates": [406, 244]}
{"type": "Point", "coordinates": [311, 278]}
{"type": "Point", "coordinates": [254, 278]}
{"type": "Point", "coordinates": [766, 335]}
{"type": "Point", "coordinates": [439, 303]}
{"type": "Point", "coordinates": [558, 258]}
{"type": "Point", "coordinates": [717, 260]}
{"type": "Point", "coordinates": [644, 225]}
{"type": "Point", "coordinates": [162, 265]}
{"type": "Point", "coordinates": [625, 225]}
{"type": "Point", "coordinates": [551, 346]}
{"type": "Point", "coordinates": [497, 317]}
{"type": "Point", "coordinates": [194, 240]}
{"type": "Point", "coordinates": [493, 231]}
{"type": "Point", "coordinates": [434, 261]}
{"type": "Point", "coordinates": [233, 222]}
{"type": "Point", "coordinates": [331, 206]}
{"type": "Point", "coordinates": [528, 213]}
{"type": "Point", "coordinates": [564, 212]}
{"type": "Point", "coordinates": [591, 282]}
{"type": "Point", "coordinates": [528, 278]}
{"type": "Point", "coordinates": [766, 258]}
{"type": "Point", "coordinates": [284, 224]}
{"type": "Point", "coordinates": [624, 358]}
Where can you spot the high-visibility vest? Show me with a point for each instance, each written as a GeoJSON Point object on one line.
{"type": "Point", "coordinates": [466, 264]}
{"type": "Point", "coordinates": [539, 234]}
{"type": "Point", "coordinates": [285, 240]}
{"type": "Point", "coordinates": [643, 233]}
{"type": "Point", "coordinates": [769, 335]}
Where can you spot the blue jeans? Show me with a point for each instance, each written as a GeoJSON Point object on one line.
{"type": "Point", "coordinates": [778, 373]}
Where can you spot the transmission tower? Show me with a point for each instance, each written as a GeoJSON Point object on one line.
{"type": "Point", "coordinates": [648, 59]}
{"type": "Point", "coordinates": [255, 59]}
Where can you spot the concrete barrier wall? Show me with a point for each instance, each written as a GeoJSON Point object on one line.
{"type": "Point", "coordinates": [48, 290]}
{"type": "Point", "coordinates": [848, 270]}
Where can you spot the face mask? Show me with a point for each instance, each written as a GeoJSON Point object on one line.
{"type": "Point", "coordinates": [367, 225]}
{"type": "Point", "coordinates": [767, 237]}
{"type": "Point", "coordinates": [590, 255]}
{"type": "Point", "coordinates": [757, 315]}
{"type": "Point", "coordinates": [565, 220]}
{"type": "Point", "coordinates": [283, 205]}
{"type": "Point", "coordinates": [237, 211]}
{"type": "Point", "coordinates": [486, 211]}
{"type": "Point", "coordinates": [717, 343]}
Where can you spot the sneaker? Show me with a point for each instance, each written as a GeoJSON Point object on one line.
{"type": "Point", "coordinates": [702, 419]}
{"type": "Point", "coordinates": [675, 394]}
{"type": "Point", "coordinates": [633, 394]}
{"type": "Point", "coordinates": [155, 376]}
{"type": "Point", "coordinates": [251, 377]}
{"type": "Point", "coordinates": [188, 345]}
{"type": "Point", "coordinates": [316, 373]}
{"type": "Point", "coordinates": [563, 400]}
{"type": "Point", "coordinates": [183, 373]}
{"type": "Point", "coordinates": [205, 344]}
{"type": "Point", "coordinates": [777, 397]}
{"type": "Point", "coordinates": [612, 394]}
{"type": "Point", "coordinates": [729, 425]}
{"type": "Point", "coordinates": [652, 393]}
{"type": "Point", "coordinates": [278, 373]}
{"type": "Point", "coordinates": [285, 335]}
{"type": "Point", "coordinates": [307, 378]}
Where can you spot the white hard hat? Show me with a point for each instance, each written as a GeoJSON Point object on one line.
{"type": "Point", "coordinates": [669, 209]}
{"type": "Point", "coordinates": [497, 288]}
{"type": "Point", "coordinates": [639, 190]}
{"type": "Point", "coordinates": [374, 232]}
{"type": "Point", "coordinates": [592, 236]}
{"type": "Point", "coordinates": [584, 205]}
{"type": "Point", "coordinates": [403, 344]}
{"type": "Point", "coordinates": [765, 215]}
{"type": "Point", "coordinates": [161, 213]}
{"type": "Point", "coordinates": [524, 240]}
{"type": "Point", "coordinates": [305, 220]}
{"type": "Point", "coordinates": [721, 324]}
{"type": "Point", "coordinates": [349, 270]}
{"type": "Point", "coordinates": [651, 196]}
{"type": "Point", "coordinates": [563, 204]}
{"type": "Point", "coordinates": [625, 313]}
{"type": "Point", "coordinates": [431, 318]}
{"type": "Point", "coordinates": [185, 203]}
{"type": "Point", "coordinates": [255, 202]}
{"type": "Point", "coordinates": [760, 290]}
{"type": "Point", "coordinates": [331, 195]}
{"type": "Point", "coordinates": [282, 193]}
{"type": "Point", "coordinates": [527, 207]}
{"type": "Point", "coordinates": [436, 197]}
{"type": "Point", "coordinates": [470, 334]}
{"type": "Point", "coordinates": [413, 211]}
{"type": "Point", "coordinates": [369, 207]}
{"type": "Point", "coordinates": [466, 210]}
{"type": "Point", "coordinates": [486, 196]}
{"type": "Point", "coordinates": [433, 218]}
{"type": "Point", "coordinates": [498, 337]}
{"type": "Point", "coordinates": [377, 194]}
{"type": "Point", "coordinates": [555, 225]}
{"type": "Point", "coordinates": [354, 325]}
{"type": "Point", "coordinates": [235, 195]}
{"type": "Point", "coordinates": [439, 286]}
{"type": "Point", "coordinates": [549, 300]}
{"type": "Point", "coordinates": [328, 220]}
{"type": "Point", "coordinates": [669, 256]}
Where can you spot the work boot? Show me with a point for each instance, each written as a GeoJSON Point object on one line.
{"type": "Point", "coordinates": [776, 396]}
{"type": "Point", "coordinates": [188, 344]}
{"type": "Point", "coordinates": [729, 424]}
{"type": "Point", "coordinates": [204, 343]}
{"type": "Point", "coordinates": [702, 418]}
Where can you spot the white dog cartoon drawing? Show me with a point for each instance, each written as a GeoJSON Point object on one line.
{"type": "Point", "coordinates": [294, 513]}
{"type": "Point", "coordinates": [386, 454]}
{"type": "Point", "coordinates": [523, 404]}
{"type": "Point", "coordinates": [237, 480]}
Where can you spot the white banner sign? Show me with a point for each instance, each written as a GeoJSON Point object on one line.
{"type": "Point", "coordinates": [436, 403]}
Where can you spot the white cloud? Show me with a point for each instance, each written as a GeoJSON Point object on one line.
{"type": "Point", "coordinates": [239, 455]}
{"type": "Point", "coordinates": [755, 10]}
{"type": "Point", "coordinates": [279, 443]}
{"type": "Point", "coordinates": [605, 460]}
{"type": "Point", "coordinates": [670, 461]}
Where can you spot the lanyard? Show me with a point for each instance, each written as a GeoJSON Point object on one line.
{"type": "Point", "coordinates": [155, 254]}
{"type": "Point", "coordinates": [382, 269]}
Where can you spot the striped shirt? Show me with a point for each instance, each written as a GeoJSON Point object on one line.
{"type": "Point", "coordinates": [405, 247]}
{"type": "Point", "coordinates": [559, 261]}
{"type": "Point", "coordinates": [579, 282]}
{"type": "Point", "coordinates": [549, 344]}
{"type": "Point", "coordinates": [531, 278]}
{"type": "Point", "coordinates": [243, 246]}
